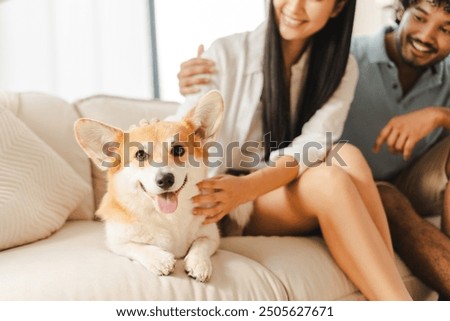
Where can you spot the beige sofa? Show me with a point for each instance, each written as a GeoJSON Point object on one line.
{"type": "Point", "coordinates": [61, 255]}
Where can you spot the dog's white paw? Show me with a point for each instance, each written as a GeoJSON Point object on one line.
{"type": "Point", "coordinates": [198, 267]}
{"type": "Point", "coordinates": [161, 264]}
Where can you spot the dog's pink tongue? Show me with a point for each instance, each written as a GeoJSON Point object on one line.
{"type": "Point", "coordinates": [167, 202]}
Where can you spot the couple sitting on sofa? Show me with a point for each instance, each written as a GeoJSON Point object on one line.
{"type": "Point", "coordinates": [293, 78]}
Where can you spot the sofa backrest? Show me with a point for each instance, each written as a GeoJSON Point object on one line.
{"type": "Point", "coordinates": [123, 112]}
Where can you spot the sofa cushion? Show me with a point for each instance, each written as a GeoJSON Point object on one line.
{"type": "Point", "coordinates": [122, 113]}
{"type": "Point", "coordinates": [52, 119]}
{"type": "Point", "coordinates": [38, 189]}
{"type": "Point", "coordinates": [74, 264]}
{"type": "Point", "coordinates": [303, 258]}
{"type": "Point", "coordinates": [307, 270]}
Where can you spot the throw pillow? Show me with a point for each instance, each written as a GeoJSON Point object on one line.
{"type": "Point", "coordinates": [38, 189]}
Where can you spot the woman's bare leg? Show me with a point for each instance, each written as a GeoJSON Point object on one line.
{"type": "Point", "coordinates": [358, 169]}
{"type": "Point", "coordinates": [326, 196]}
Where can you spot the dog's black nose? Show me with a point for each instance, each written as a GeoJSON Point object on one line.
{"type": "Point", "coordinates": [165, 181]}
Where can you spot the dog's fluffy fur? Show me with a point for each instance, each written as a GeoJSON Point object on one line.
{"type": "Point", "coordinates": [147, 209]}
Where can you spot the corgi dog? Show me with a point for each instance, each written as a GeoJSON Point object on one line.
{"type": "Point", "coordinates": [152, 175]}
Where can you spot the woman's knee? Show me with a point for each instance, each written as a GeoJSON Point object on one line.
{"type": "Point", "coordinates": [329, 173]}
{"type": "Point", "coordinates": [344, 154]}
{"type": "Point", "coordinates": [320, 189]}
{"type": "Point", "coordinates": [323, 182]}
{"type": "Point", "coordinates": [351, 159]}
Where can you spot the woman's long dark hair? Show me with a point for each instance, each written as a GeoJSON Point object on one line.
{"type": "Point", "coordinates": [330, 48]}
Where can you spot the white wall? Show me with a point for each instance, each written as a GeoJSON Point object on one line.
{"type": "Point", "coordinates": [184, 24]}
{"type": "Point", "coordinates": [371, 15]}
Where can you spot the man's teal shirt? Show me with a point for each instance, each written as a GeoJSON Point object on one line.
{"type": "Point", "coordinates": [379, 98]}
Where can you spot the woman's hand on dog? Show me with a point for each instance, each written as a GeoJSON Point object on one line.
{"type": "Point", "coordinates": [219, 196]}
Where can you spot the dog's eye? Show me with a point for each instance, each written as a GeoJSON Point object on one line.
{"type": "Point", "coordinates": [141, 155]}
{"type": "Point", "coordinates": [178, 150]}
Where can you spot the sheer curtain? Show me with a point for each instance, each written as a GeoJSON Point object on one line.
{"type": "Point", "coordinates": [76, 48]}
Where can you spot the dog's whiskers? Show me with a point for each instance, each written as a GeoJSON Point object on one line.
{"type": "Point", "coordinates": [142, 186]}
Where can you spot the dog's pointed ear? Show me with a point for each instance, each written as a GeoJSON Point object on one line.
{"type": "Point", "coordinates": [207, 116]}
{"type": "Point", "coordinates": [99, 141]}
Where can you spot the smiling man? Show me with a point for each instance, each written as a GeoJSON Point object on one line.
{"type": "Point", "coordinates": [399, 119]}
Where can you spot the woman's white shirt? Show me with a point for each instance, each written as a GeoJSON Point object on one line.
{"type": "Point", "coordinates": [239, 77]}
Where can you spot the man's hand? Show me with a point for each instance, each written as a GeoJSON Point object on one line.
{"type": "Point", "coordinates": [403, 132]}
{"type": "Point", "coordinates": [194, 72]}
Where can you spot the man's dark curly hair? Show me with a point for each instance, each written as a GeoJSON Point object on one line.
{"type": "Point", "coordinates": [440, 3]}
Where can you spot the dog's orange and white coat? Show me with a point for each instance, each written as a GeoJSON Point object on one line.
{"type": "Point", "coordinates": [152, 175]}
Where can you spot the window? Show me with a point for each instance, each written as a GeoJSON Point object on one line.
{"type": "Point", "coordinates": [75, 48]}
